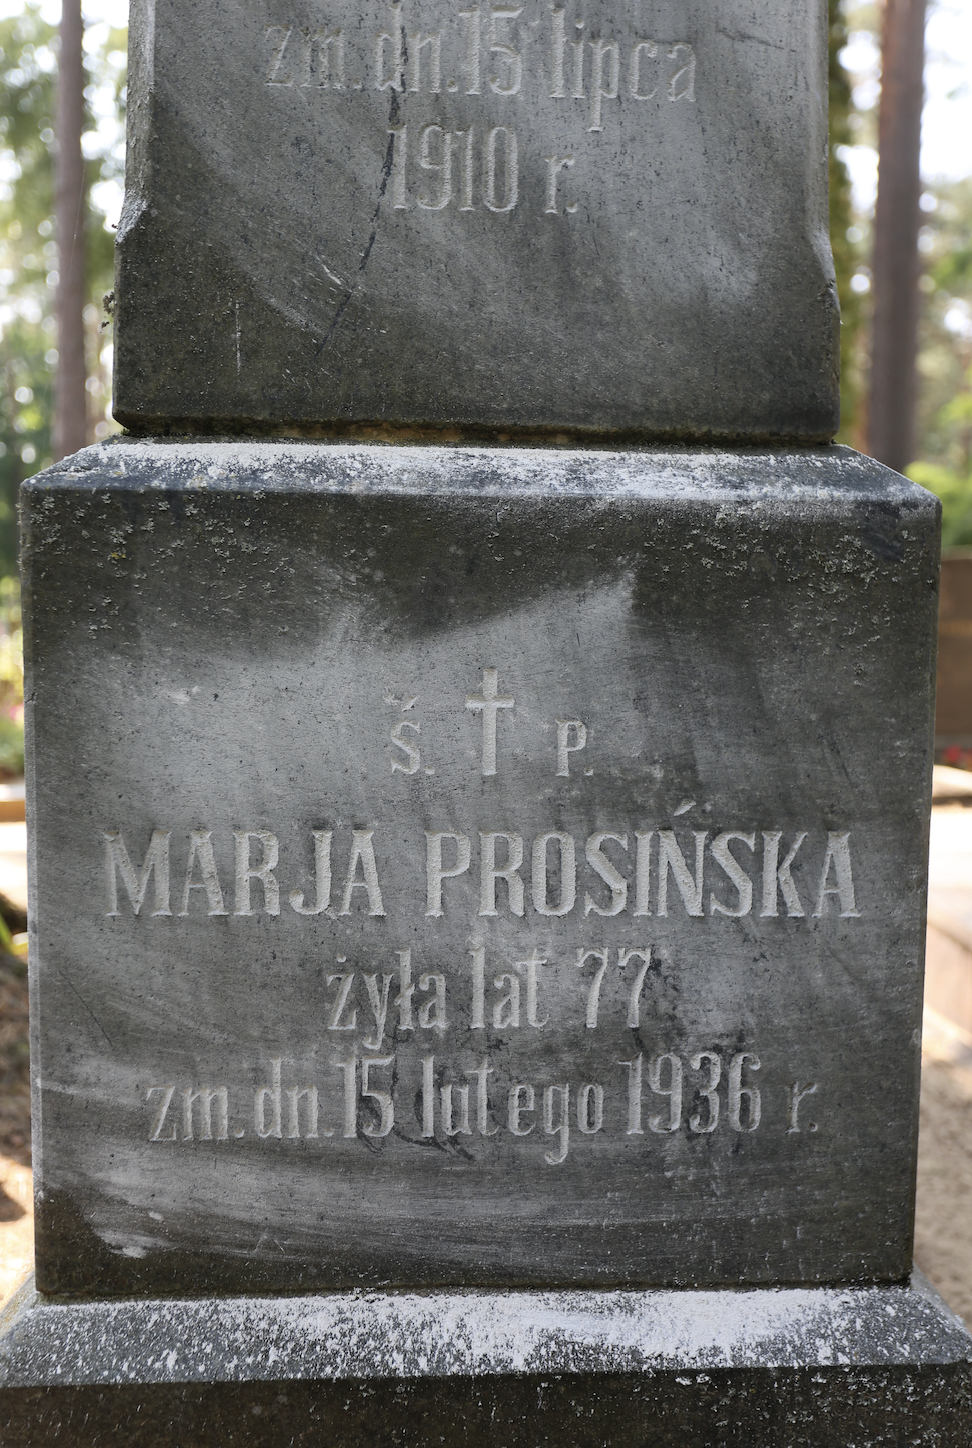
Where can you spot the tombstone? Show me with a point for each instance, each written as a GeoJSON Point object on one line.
{"type": "Point", "coordinates": [542, 217]}
{"type": "Point", "coordinates": [478, 833]}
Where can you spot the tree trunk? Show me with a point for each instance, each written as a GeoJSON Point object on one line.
{"type": "Point", "coordinates": [70, 412]}
{"type": "Point", "coordinates": [891, 423]}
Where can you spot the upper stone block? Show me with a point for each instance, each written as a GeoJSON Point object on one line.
{"type": "Point", "coordinates": [551, 218]}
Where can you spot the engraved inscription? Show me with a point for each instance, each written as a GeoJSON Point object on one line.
{"type": "Point", "coordinates": [366, 1095]}
{"type": "Point", "coordinates": [505, 864]}
{"type": "Point", "coordinates": [420, 1039]}
{"type": "Point", "coordinates": [536, 53]}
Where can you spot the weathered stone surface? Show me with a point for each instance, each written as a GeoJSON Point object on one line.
{"type": "Point", "coordinates": [415, 215]}
{"type": "Point", "coordinates": [619, 763]}
{"type": "Point", "coordinates": [822, 1366]}
{"type": "Point", "coordinates": [343, 1336]}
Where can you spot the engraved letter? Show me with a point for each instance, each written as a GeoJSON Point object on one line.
{"type": "Point", "coordinates": [671, 857]}
{"type": "Point", "coordinates": [594, 994]}
{"type": "Point", "coordinates": [435, 872]}
{"type": "Point", "coordinates": [772, 875]}
{"type": "Point", "coordinates": [201, 848]}
{"type": "Point", "coordinates": [479, 1073]}
{"type": "Point", "coordinates": [709, 1094]}
{"type": "Point", "coordinates": [508, 872]}
{"type": "Point", "coordinates": [205, 1096]}
{"type": "Point", "coordinates": [530, 966]}
{"type": "Point", "coordinates": [590, 1109]}
{"type": "Point", "coordinates": [416, 44]}
{"type": "Point", "coordinates": [508, 56]}
{"type": "Point", "coordinates": [599, 92]}
{"type": "Point", "coordinates": [558, 44]}
{"type": "Point", "coordinates": [319, 48]}
{"type": "Point", "coordinates": [410, 751]}
{"type": "Point", "coordinates": [515, 1109]}
{"type": "Point", "coordinates": [294, 1097]}
{"type": "Point", "coordinates": [634, 1000]}
{"type": "Point", "coordinates": [722, 853]}
{"type": "Point", "coordinates": [350, 1069]}
{"type": "Point", "coordinates": [796, 1092]}
{"type": "Point", "coordinates": [602, 866]}
{"type": "Point", "coordinates": [362, 850]}
{"type": "Point", "coordinates": [263, 1095]}
{"type": "Point", "coordinates": [737, 1091]}
{"type": "Point", "coordinates": [477, 1020]}
{"type": "Point", "coordinates": [382, 1099]}
{"type": "Point", "coordinates": [404, 998]}
{"type": "Point", "coordinates": [506, 1011]}
{"type": "Point", "coordinates": [634, 1096]}
{"type": "Point", "coordinates": [512, 177]}
{"type": "Point", "coordinates": [643, 47]}
{"type": "Point", "coordinates": [488, 702]}
{"type": "Point", "coordinates": [685, 75]}
{"type": "Point", "coordinates": [838, 853]}
{"type": "Point", "coordinates": [642, 871]}
{"type": "Point", "coordinates": [432, 1013]}
{"type": "Point", "coordinates": [379, 1007]}
{"type": "Point", "coordinates": [577, 46]}
{"type": "Point", "coordinates": [393, 81]}
{"type": "Point", "coordinates": [156, 858]}
{"type": "Point", "coordinates": [322, 874]}
{"type": "Point", "coordinates": [445, 1094]}
{"type": "Point", "coordinates": [472, 51]}
{"type": "Point", "coordinates": [443, 167]}
{"type": "Point", "coordinates": [428, 1095]}
{"type": "Point", "coordinates": [273, 71]}
{"type": "Point", "coordinates": [564, 726]}
{"type": "Point", "coordinates": [341, 999]}
{"type": "Point", "coordinates": [556, 164]}
{"type": "Point", "coordinates": [167, 1094]}
{"type": "Point", "coordinates": [465, 145]}
{"type": "Point", "coordinates": [568, 874]}
{"type": "Point", "coordinates": [245, 872]}
{"type": "Point", "coordinates": [560, 1127]}
{"type": "Point", "coordinates": [673, 1090]}
{"type": "Point", "coordinates": [399, 135]}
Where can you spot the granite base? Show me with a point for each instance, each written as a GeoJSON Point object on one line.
{"type": "Point", "coordinates": [782, 1366]}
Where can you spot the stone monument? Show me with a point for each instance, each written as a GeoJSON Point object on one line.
{"type": "Point", "coordinates": [480, 757]}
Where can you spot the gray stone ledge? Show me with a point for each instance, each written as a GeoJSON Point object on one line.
{"type": "Point", "coordinates": [465, 1334]}
{"type": "Point", "coordinates": [782, 474]}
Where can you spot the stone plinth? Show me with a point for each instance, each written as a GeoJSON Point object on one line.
{"type": "Point", "coordinates": [810, 1366]}
{"type": "Point", "coordinates": [456, 867]}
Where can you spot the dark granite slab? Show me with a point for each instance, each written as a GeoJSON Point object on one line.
{"type": "Point", "coordinates": [806, 1366]}
{"type": "Point", "coordinates": [539, 218]}
{"type": "Point", "coordinates": [620, 763]}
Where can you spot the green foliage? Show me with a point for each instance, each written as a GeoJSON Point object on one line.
{"type": "Point", "coordinates": [945, 358]}
{"type": "Point", "coordinates": [25, 422]}
{"type": "Point", "coordinates": [11, 679]}
{"type": "Point", "coordinates": [11, 746]}
{"type": "Point", "coordinates": [955, 493]}
{"type": "Point", "coordinates": [945, 342]}
{"type": "Point", "coordinates": [28, 247]}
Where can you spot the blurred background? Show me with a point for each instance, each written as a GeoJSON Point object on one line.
{"type": "Point", "coordinates": [900, 83]}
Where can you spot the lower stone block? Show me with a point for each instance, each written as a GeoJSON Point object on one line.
{"type": "Point", "coordinates": [783, 1367]}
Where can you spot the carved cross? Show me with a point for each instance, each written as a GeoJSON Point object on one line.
{"type": "Point", "coordinates": [489, 702]}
